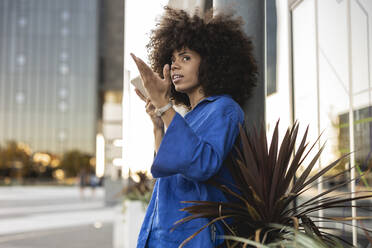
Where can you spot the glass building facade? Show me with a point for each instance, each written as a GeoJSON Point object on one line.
{"type": "Point", "coordinates": [48, 74]}
{"type": "Point", "coordinates": [324, 81]}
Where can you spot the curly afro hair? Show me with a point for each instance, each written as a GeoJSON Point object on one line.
{"type": "Point", "coordinates": [227, 64]}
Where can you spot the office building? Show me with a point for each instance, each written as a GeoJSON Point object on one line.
{"type": "Point", "coordinates": [48, 74]}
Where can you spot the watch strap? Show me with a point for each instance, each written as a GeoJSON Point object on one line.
{"type": "Point", "coordinates": [160, 111]}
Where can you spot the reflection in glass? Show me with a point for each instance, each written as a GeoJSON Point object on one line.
{"type": "Point", "coordinates": [62, 135]}
{"type": "Point", "coordinates": [21, 60]}
{"type": "Point", "coordinates": [20, 97]}
{"type": "Point", "coordinates": [63, 69]}
{"type": "Point", "coordinates": [22, 22]}
{"type": "Point", "coordinates": [332, 90]}
{"type": "Point", "coordinates": [65, 31]}
{"type": "Point", "coordinates": [63, 56]}
{"type": "Point", "coordinates": [65, 15]}
{"type": "Point", "coordinates": [62, 93]}
{"type": "Point", "coordinates": [62, 106]}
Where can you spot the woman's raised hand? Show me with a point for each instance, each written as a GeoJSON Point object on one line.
{"type": "Point", "coordinates": [150, 110]}
{"type": "Point", "coordinates": [158, 88]}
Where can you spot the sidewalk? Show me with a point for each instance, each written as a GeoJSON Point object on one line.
{"type": "Point", "coordinates": [71, 237]}
{"type": "Point", "coordinates": [45, 217]}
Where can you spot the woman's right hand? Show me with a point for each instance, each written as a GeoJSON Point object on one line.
{"type": "Point", "coordinates": [150, 110]}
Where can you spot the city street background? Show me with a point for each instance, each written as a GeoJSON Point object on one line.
{"type": "Point", "coordinates": [69, 115]}
{"type": "Point", "coordinates": [45, 217]}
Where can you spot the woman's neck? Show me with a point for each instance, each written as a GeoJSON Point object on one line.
{"type": "Point", "coordinates": [195, 97]}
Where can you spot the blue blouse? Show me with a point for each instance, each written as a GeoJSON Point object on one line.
{"type": "Point", "coordinates": [192, 150]}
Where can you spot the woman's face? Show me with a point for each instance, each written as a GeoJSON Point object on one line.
{"type": "Point", "coordinates": [184, 70]}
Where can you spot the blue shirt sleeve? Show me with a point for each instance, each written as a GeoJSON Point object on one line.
{"type": "Point", "coordinates": [197, 154]}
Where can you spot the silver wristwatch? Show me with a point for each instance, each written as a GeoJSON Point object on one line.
{"type": "Point", "coordinates": [160, 111]}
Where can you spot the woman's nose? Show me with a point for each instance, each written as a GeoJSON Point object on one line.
{"type": "Point", "coordinates": [174, 65]}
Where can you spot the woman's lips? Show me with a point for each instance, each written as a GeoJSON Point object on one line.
{"type": "Point", "coordinates": [176, 78]}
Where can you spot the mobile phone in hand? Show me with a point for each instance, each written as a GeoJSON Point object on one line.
{"type": "Point", "coordinates": [138, 84]}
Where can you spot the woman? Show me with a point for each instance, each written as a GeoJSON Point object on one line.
{"type": "Point", "coordinates": [205, 64]}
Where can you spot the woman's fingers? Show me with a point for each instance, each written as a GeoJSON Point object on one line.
{"type": "Point", "coordinates": [143, 68]}
{"type": "Point", "coordinates": [167, 78]}
{"type": "Point", "coordinates": [150, 110]}
{"type": "Point", "coordinates": [157, 87]}
{"type": "Point", "coordinates": [149, 106]}
{"type": "Point", "coordinates": [137, 64]}
{"type": "Point", "coordinates": [143, 98]}
{"type": "Point", "coordinates": [166, 73]}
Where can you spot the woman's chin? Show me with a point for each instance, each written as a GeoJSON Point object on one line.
{"type": "Point", "coordinates": [186, 89]}
{"type": "Point", "coordinates": [180, 89]}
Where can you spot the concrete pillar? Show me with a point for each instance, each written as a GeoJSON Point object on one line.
{"type": "Point", "coordinates": [253, 14]}
{"type": "Point", "coordinates": [189, 5]}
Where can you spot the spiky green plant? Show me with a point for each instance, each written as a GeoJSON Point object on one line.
{"type": "Point", "coordinates": [286, 237]}
{"type": "Point", "coordinates": [263, 177]}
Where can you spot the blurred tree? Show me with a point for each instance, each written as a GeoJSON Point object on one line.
{"type": "Point", "coordinates": [1, 160]}
{"type": "Point", "coordinates": [15, 160]}
{"type": "Point", "coordinates": [73, 161]}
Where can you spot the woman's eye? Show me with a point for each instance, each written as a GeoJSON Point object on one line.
{"type": "Point", "coordinates": [186, 58]}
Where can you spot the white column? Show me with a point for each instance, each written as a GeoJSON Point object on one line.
{"type": "Point", "coordinates": [351, 121]}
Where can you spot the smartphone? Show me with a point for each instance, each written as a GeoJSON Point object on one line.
{"type": "Point", "coordinates": [137, 83]}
